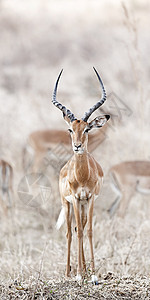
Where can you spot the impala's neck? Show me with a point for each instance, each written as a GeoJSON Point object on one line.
{"type": "Point", "coordinates": [82, 169]}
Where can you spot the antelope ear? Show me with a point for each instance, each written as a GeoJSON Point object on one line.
{"type": "Point", "coordinates": [99, 121]}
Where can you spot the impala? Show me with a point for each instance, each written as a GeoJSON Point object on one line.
{"type": "Point", "coordinates": [80, 180]}
{"type": "Point", "coordinates": [127, 178]}
{"type": "Point", "coordinates": [42, 141]}
{"type": "Point", "coordinates": [6, 185]}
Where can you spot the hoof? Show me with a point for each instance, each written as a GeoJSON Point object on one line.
{"type": "Point", "coordinates": [94, 279]}
{"type": "Point", "coordinates": [78, 277]}
{"type": "Point", "coordinates": [67, 275]}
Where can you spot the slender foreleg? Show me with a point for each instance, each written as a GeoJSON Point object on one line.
{"type": "Point", "coordinates": [77, 206]}
{"type": "Point", "coordinates": [84, 221]}
{"type": "Point", "coordinates": [69, 235]}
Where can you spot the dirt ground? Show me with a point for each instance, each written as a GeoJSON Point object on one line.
{"type": "Point", "coordinates": [38, 38]}
{"type": "Point", "coordinates": [110, 287]}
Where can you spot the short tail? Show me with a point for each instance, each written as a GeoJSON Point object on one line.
{"type": "Point", "coordinates": [61, 218]}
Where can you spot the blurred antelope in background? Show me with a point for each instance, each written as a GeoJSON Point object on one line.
{"type": "Point", "coordinates": [6, 185]}
{"type": "Point", "coordinates": [80, 180]}
{"type": "Point", "coordinates": [42, 141]}
{"type": "Point", "coordinates": [127, 178]}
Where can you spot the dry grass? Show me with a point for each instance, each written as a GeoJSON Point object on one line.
{"type": "Point", "coordinates": [37, 40]}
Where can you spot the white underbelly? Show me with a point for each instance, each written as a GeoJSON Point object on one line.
{"type": "Point", "coordinates": [69, 198]}
{"type": "Point", "coordinates": [83, 201]}
{"type": "Point", "coordinates": [83, 194]}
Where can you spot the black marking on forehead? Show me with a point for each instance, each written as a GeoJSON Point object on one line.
{"type": "Point", "coordinates": [78, 121]}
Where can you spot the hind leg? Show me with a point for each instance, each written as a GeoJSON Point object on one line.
{"type": "Point", "coordinates": [3, 202]}
{"type": "Point", "coordinates": [38, 160]}
{"type": "Point", "coordinates": [116, 188]}
{"type": "Point", "coordinates": [125, 200]}
{"type": "Point", "coordinates": [9, 196]}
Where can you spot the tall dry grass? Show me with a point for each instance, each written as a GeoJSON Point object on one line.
{"type": "Point", "coordinates": [36, 42]}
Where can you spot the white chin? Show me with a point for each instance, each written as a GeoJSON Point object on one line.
{"type": "Point", "coordinates": [79, 152]}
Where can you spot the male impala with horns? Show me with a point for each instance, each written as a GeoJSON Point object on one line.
{"type": "Point", "coordinates": [80, 180]}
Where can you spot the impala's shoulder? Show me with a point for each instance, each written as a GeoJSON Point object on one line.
{"type": "Point", "coordinates": [94, 163]}
{"type": "Point", "coordinates": [66, 167]}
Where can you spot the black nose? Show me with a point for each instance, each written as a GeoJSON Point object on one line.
{"type": "Point", "coordinates": [77, 146]}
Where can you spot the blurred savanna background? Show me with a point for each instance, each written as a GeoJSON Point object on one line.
{"type": "Point", "coordinates": [38, 39]}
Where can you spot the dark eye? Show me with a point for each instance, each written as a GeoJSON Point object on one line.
{"type": "Point", "coordinates": [86, 130]}
{"type": "Point", "coordinates": [70, 130]}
